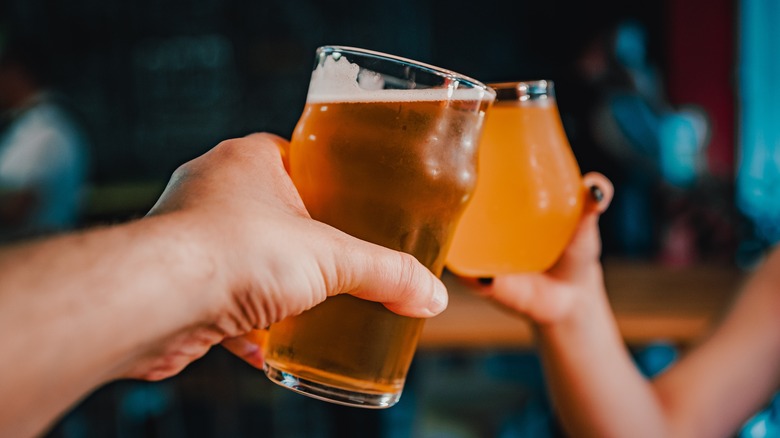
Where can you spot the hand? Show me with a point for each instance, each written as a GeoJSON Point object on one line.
{"type": "Point", "coordinates": [550, 297]}
{"type": "Point", "coordinates": [276, 260]}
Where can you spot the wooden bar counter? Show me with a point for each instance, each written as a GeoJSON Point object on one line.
{"type": "Point", "coordinates": [651, 302]}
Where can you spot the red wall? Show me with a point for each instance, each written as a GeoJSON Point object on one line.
{"type": "Point", "coordinates": [700, 45]}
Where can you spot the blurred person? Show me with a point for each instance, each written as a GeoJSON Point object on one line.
{"type": "Point", "coordinates": [43, 149]}
{"type": "Point", "coordinates": [228, 247]}
{"type": "Point", "coordinates": [597, 389]}
{"type": "Point", "coordinates": [616, 134]}
{"type": "Point", "coordinates": [653, 150]}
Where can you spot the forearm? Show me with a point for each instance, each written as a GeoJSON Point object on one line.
{"type": "Point", "coordinates": [709, 393]}
{"type": "Point", "coordinates": [715, 388]}
{"type": "Point", "coordinates": [595, 386]}
{"type": "Point", "coordinates": [98, 301]}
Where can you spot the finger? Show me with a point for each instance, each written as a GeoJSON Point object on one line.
{"type": "Point", "coordinates": [600, 191]}
{"type": "Point", "coordinates": [585, 246]}
{"type": "Point", "coordinates": [267, 137]}
{"type": "Point", "coordinates": [282, 146]}
{"type": "Point", "coordinates": [279, 148]}
{"type": "Point", "coordinates": [478, 284]}
{"type": "Point", "coordinates": [272, 143]}
{"type": "Point", "coordinates": [514, 291]}
{"type": "Point", "coordinates": [248, 347]}
{"type": "Point", "coordinates": [395, 279]}
{"type": "Point", "coordinates": [599, 196]}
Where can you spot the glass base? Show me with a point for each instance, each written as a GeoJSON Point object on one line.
{"type": "Point", "coordinates": [329, 393]}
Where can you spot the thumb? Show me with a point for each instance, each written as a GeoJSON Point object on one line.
{"type": "Point", "coordinates": [395, 279]}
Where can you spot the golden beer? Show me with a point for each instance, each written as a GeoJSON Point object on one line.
{"type": "Point", "coordinates": [530, 195]}
{"type": "Point", "coordinates": [393, 167]}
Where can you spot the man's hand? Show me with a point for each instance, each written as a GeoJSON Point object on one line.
{"type": "Point", "coordinates": [276, 260]}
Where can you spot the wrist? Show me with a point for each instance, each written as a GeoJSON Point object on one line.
{"type": "Point", "coordinates": [589, 306]}
{"type": "Point", "coordinates": [180, 298]}
{"type": "Point", "coordinates": [222, 251]}
{"type": "Point", "coordinates": [198, 256]}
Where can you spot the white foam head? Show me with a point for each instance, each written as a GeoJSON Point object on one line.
{"type": "Point", "coordinates": [338, 80]}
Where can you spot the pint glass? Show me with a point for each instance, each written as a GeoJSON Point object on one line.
{"type": "Point", "coordinates": [529, 194]}
{"type": "Point", "coordinates": [386, 150]}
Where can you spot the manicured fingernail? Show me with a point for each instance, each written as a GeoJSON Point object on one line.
{"type": "Point", "coordinates": [485, 281]}
{"type": "Point", "coordinates": [596, 192]}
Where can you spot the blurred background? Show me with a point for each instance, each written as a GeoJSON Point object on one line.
{"type": "Point", "coordinates": [672, 99]}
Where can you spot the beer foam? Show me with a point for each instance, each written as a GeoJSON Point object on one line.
{"type": "Point", "coordinates": [338, 80]}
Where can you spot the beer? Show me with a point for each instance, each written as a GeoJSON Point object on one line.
{"type": "Point", "coordinates": [529, 194]}
{"type": "Point", "coordinates": [393, 167]}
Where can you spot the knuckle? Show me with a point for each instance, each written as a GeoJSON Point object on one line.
{"type": "Point", "coordinates": [182, 171]}
{"type": "Point", "coordinates": [229, 147]}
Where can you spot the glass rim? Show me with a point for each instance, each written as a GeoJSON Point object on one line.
{"type": "Point", "coordinates": [439, 71]}
{"type": "Point", "coordinates": [515, 84]}
{"type": "Point", "coordinates": [524, 90]}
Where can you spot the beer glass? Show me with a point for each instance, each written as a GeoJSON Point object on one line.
{"type": "Point", "coordinates": [385, 150]}
{"type": "Point", "coordinates": [529, 194]}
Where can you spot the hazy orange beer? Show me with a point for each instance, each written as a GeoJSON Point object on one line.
{"type": "Point", "coordinates": [386, 151]}
{"type": "Point", "coordinates": [529, 193]}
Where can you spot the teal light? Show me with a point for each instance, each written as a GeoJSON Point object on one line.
{"type": "Point", "coordinates": [758, 172]}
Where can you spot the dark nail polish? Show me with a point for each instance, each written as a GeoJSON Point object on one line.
{"type": "Point", "coordinates": [596, 192]}
{"type": "Point", "coordinates": [485, 281]}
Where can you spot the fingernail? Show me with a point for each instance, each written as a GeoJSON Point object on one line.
{"type": "Point", "coordinates": [439, 301]}
{"type": "Point", "coordinates": [597, 194]}
{"type": "Point", "coordinates": [485, 281]}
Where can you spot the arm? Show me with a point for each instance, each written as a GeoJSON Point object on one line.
{"type": "Point", "coordinates": [734, 372]}
{"type": "Point", "coordinates": [81, 310]}
{"type": "Point", "coordinates": [227, 248]}
{"type": "Point", "coordinates": [595, 386]}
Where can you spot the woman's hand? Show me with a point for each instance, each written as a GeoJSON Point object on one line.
{"type": "Point", "coordinates": [552, 296]}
